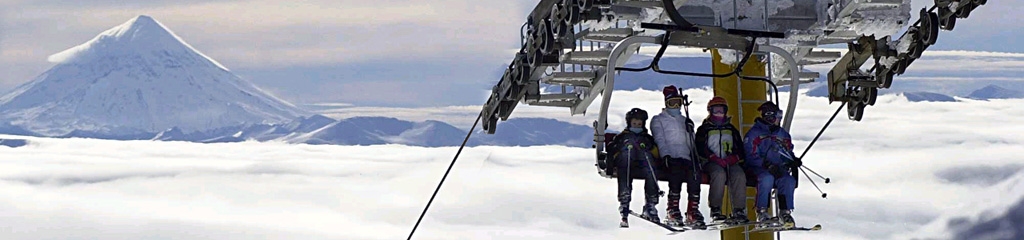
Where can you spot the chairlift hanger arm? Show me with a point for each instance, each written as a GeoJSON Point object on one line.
{"type": "Point", "coordinates": [665, 42]}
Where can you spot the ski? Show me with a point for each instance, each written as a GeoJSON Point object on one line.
{"type": "Point", "coordinates": [667, 227]}
{"type": "Point", "coordinates": [716, 226]}
{"type": "Point", "coordinates": [729, 225]}
{"type": "Point", "coordinates": [816, 227]}
{"type": "Point", "coordinates": [686, 227]}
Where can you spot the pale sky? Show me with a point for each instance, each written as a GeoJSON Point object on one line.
{"type": "Point", "coordinates": [424, 53]}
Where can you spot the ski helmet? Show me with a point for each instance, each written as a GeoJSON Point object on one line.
{"type": "Point", "coordinates": [768, 107]}
{"type": "Point", "coordinates": [718, 101]}
{"type": "Point", "coordinates": [636, 113]}
{"type": "Point", "coordinates": [670, 92]}
{"type": "Point", "coordinates": [672, 97]}
{"type": "Point", "coordinates": [769, 111]}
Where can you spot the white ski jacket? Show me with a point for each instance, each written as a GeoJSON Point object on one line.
{"type": "Point", "coordinates": [672, 135]}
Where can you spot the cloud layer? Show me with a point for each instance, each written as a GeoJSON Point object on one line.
{"type": "Point", "coordinates": [887, 172]}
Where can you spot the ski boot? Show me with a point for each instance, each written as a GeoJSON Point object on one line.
{"type": "Point", "coordinates": [650, 213]}
{"type": "Point", "coordinates": [739, 216]}
{"type": "Point", "coordinates": [717, 216]}
{"type": "Point", "coordinates": [786, 218]}
{"type": "Point", "coordinates": [765, 220]}
{"type": "Point", "coordinates": [694, 219]}
{"type": "Point", "coordinates": [624, 210]}
{"type": "Point", "coordinates": [673, 217]}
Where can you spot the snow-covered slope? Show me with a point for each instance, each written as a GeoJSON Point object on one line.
{"type": "Point", "coordinates": [430, 133]}
{"type": "Point", "coordinates": [265, 132]}
{"type": "Point", "coordinates": [356, 131]}
{"type": "Point", "coordinates": [138, 78]}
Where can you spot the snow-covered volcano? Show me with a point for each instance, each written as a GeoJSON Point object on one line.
{"type": "Point", "coordinates": [138, 77]}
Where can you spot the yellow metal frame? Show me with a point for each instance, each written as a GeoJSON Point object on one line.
{"type": "Point", "coordinates": [743, 97]}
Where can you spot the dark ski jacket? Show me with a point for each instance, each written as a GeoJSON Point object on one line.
{"type": "Point", "coordinates": [720, 143]}
{"type": "Point", "coordinates": [620, 146]}
{"type": "Point", "coordinates": [763, 143]}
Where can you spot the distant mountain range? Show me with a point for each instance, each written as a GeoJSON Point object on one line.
{"type": "Point", "coordinates": [319, 129]}
{"type": "Point", "coordinates": [927, 97]}
{"type": "Point", "coordinates": [995, 92]}
{"type": "Point", "coordinates": [987, 92]}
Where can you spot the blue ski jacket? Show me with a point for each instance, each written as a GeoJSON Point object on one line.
{"type": "Point", "coordinates": [763, 143]}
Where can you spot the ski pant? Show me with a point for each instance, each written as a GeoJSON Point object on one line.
{"type": "Point", "coordinates": [628, 166]}
{"type": "Point", "coordinates": [681, 170]}
{"type": "Point", "coordinates": [736, 179]}
{"type": "Point", "coordinates": [785, 184]}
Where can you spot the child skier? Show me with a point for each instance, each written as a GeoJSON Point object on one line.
{"type": "Point", "coordinates": [674, 134]}
{"type": "Point", "coordinates": [721, 144]}
{"type": "Point", "coordinates": [634, 151]}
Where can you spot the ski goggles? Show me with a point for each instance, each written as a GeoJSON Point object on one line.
{"type": "Point", "coordinates": [718, 110]}
{"type": "Point", "coordinates": [674, 102]}
{"type": "Point", "coordinates": [772, 117]}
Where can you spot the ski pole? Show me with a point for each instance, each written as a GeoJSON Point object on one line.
{"type": "Point", "coordinates": [693, 145]}
{"type": "Point", "coordinates": [790, 155]}
{"type": "Point", "coordinates": [827, 180]}
{"type": "Point", "coordinates": [822, 130]}
{"type": "Point", "coordinates": [823, 194]}
{"type": "Point", "coordinates": [653, 175]}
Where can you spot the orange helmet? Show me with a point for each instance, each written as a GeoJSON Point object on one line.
{"type": "Point", "coordinates": [718, 101]}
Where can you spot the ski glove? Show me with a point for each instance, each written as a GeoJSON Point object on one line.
{"type": "Point", "coordinates": [720, 161]}
{"type": "Point", "coordinates": [796, 163]}
{"type": "Point", "coordinates": [732, 159]}
{"type": "Point", "coordinates": [775, 170]}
